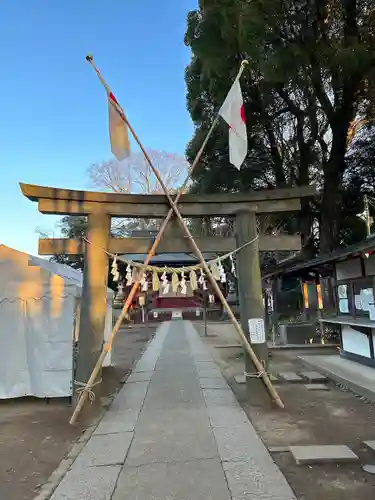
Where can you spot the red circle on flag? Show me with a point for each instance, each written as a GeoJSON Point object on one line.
{"type": "Point", "coordinates": [243, 113]}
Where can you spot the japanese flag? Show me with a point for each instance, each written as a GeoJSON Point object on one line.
{"type": "Point", "coordinates": [118, 130]}
{"type": "Point", "coordinates": [233, 113]}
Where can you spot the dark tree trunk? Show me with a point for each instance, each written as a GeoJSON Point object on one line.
{"type": "Point", "coordinates": [305, 215]}
{"type": "Point", "coordinates": [330, 212]}
{"type": "Point", "coordinates": [332, 191]}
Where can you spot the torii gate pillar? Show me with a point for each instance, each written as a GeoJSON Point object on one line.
{"type": "Point", "coordinates": [94, 295]}
{"type": "Point", "coordinates": [251, 300]}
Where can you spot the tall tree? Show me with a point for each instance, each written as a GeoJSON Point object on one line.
{"type": "Point", "coordinates": [311, 72]}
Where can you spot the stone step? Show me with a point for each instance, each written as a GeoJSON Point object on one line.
{"type": "Point", "coordinates": [313, 377]}
{"type": "Point", "coordinates": [290, 377]}
{"type": "Point", "coordinates": [309, 455]}
{"type": "Point", "coordinates": [316, 387]}
{"type": "Point", "coordinates": [370, 444]}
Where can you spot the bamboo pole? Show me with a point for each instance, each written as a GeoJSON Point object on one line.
{"type": "Point", "coordinates": [107, 347]}
{"type": "Point", "coordinates": [258, 365]}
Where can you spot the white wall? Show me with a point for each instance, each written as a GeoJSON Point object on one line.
{"type": "Point", "coordinates": [370, 265]}
{"type": "Point", "coordinates": [348, 269]}
{"type": "Point", "coordinates": [355, 341]}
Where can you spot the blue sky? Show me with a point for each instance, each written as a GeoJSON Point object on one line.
{"type": "Point", "coordinates": [53, 111]}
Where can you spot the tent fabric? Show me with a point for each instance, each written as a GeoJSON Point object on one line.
{"type": "Point", "coordinates": [38, 307]}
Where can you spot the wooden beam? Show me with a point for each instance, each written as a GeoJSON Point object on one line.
{"type": "Point", "coordinates": [267, 243]}
{"type": "Point", "coordinates": [73, 207]}
{"type": "Point", "coordinates": [36, 193]}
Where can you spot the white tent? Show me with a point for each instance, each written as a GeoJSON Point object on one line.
{"type": "Point", "coordinates": [39, 302]}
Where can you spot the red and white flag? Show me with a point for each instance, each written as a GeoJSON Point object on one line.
{"type": "Point", "coordinates": [233, 113]}
{"type": "Point", "coordinates": [118, 130]}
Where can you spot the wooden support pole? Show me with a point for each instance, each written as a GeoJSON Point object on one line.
{"type": "Point", "coordinates": [251, 301]}
{"type": "Point", "coordinates": [173, 204]}
{"type": "Point", "coordinates": [94, 296]}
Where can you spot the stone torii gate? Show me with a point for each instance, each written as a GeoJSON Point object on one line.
{"type": "Point", "coordinates": [101, 207]}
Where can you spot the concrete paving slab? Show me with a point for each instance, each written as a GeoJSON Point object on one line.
{"type": "Point", "coordinates": [239, 443]}
{"type": "Point", "coordinates": [251, 482]}
{"type": "Point", "coordinates": [145, 366]}
{"type": "Point", "coordinates": [226, 416]}
{"type": "Point", "coordinates": [131, 397]}
{"type": "Point", "coordinates": [213, 383]}
{"type": "Point", "coordinates": [196, 480]}
{"type": "Point", "coordinates": [202, 358]}
{"type": "Point", "coordinates": [176, 443]}
{"type": "Point", "coordinates": [290, 377]}
{"type": "Point", "coordinates": [108, 449]}
{"type": "Point", "coordinates": [221, 397]}
{"type": "Point", "coordinates": [316, 387]}
{"type": "Point", "coordinates": [209, 373]}
{"type": "Point", "coordinates": [149, 359]}
{"type": "Point", "coordinates": [314, 377]}
{"type": "Point", "coordinates": [139, 377]}
{"type": "Point", "coordinates": [308, 455]}
{"type": "Point", "coordinates": [113, 422]}
{"type": "Point", "coordinates": [370, 444]}
{"type": "Point", "coordinates": [369, 468]}
{"type": "Point", "coordinates": [177, 418]}
{"type": "Point", "coordinates": [206, 365]}
{"type": "Point", "coordinates": [90, 483]}
{"type": "Point", "coordinates": [168, 397]}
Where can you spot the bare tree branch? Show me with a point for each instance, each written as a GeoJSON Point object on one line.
{"type": "Point", "coordinates": [134, 175]}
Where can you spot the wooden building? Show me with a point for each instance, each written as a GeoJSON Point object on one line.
{"type": "Point", "coordinates": [346, 279]}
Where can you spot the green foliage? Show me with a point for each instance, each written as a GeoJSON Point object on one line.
{"type": "Point", "coordinates": [311, 73]}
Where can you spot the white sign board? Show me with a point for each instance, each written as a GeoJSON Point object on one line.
{"type": "Point", "coordinates": [176, 314]}
{"type": "Point", "coordinates": [156, 314]}
{"type": "Point", "coordinates": [197, 312]}
{"type": "Point", "coordinates": [256, 330]}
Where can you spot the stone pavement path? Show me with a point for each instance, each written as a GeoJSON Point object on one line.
{"type": "Point", "coordinates": [174, 432]}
